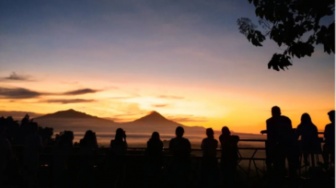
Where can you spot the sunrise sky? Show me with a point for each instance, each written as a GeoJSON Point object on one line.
{"type": "Point", "coordinates": [122, 59]}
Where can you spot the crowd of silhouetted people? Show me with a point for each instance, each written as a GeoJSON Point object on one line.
{"type": "Point", "coordinates": [284, 146]}
{"type": "Point", "coordinates": [79, 165]}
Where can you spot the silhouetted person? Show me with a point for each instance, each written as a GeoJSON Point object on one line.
{"type": "Point", "coordinates": [31, 155]}
{"type": "Point", "coordinates": [118, 148]}
{"type": "Point", "coordinates": [87, 149]}
{"type": "Point", "coordinates": [209, 170]}
{"type": "Point", "coordinates": [154, 160]}
{"type": "Point", "coordinates": [280, 145]}
{"type": "Point", "coordinates": [180, 148]}
{"type": "Point", "coordinates": [63, 150]}
{"type": "Point", "coordinates": [329, 139]}
{"type": "Point", "coordinates": [6, 156]}
{"type": "Point", "coordinates": [25, 120]}
{"type": "Point", "coordinates": [229, 157]}
{"type": "Point", "coordinates": [309, 138]}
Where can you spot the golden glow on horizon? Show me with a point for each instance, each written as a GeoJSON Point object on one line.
{"type": "Point", "coordinates": [213, 107]}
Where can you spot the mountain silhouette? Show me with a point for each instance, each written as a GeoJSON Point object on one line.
{"type": "Point", "coordinates": [79, 122]}
{"type": "Point", "coordinates": [71, 113]}
{"type": "Point", "coordinates": [154, 121]}
{"type": "Point", "coordinates": [74, 120]}
{"type": "Point", "coordinates": [18, 115]}
{"type": "Point", "coordinates": [153, 117]}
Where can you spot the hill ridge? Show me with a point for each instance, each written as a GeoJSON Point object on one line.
{"type": "Point", "coordinates": [70, 113]}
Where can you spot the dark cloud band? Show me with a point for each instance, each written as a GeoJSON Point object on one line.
{"type": "Point", "coordinates": [18, 93]}
{"type": "Point", "coordinates": [67, 101]}
{"type": "Point", "coordinates": [16, 77]}
{"type": "Point", "coordinates": [23, 93]}
{"type": "Point", "coordinates": [80, 91]}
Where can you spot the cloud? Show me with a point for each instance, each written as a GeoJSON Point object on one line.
{"type": "Point", "coordinates": [80, 91]}
{"type": "Point", "coordinates": [16, 77]}
{"type": "Point", "coordinates": [160, 105]}
{"type": "Point", "coordinates": [18, 93]}
{"type": "Point", "coordinates": [67, 101]}
{"type": "Point", "coordinates": [170, 97]}
{"type": "Point", "coordinates": [121, 97]}
{"type": "Point", "coordinates": [189, 119]}
{"type": "Point", "coordinates": [23, 93]}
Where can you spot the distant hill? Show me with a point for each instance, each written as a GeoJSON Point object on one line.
{"type": "Point", "coordinates": [18, 115]}
{"type": "Point", "coordinates": [151, 117]}
{"type": "Point", "coordinates": [75, 121]}
{"type": "Point", "coordinates": [154, 121]}
{"type": "Point", "coordinates": [80, 122]}
{"type": "Point", "coordinates": [68, 114]}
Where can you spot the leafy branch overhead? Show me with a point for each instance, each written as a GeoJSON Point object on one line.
{"type": "Point", "coordinates": [297, 25]}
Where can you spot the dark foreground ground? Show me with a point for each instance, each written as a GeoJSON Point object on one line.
{"type": "Point", "coordinates": [134, 171]}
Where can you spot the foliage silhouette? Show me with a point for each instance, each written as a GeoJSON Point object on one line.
{"type": "Point", "coordinates": [297, 25]}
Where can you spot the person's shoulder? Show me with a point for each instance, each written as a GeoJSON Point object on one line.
{"type": "Point", "coordinates": [272, 120]}
{"type": "Point", "coordinates": [329, 125]}
{"type": "Point", "coordinates": [81, 141]}
{"type": "Point", "coordinates": [185, 139]}
{"type": "Point", "coordinates": [173, 140]}
{"type": "Point", "coordinates": [112, 142]}
{"type": "Point", "coordinates": [285, 118]}
{"type": "Point", "coordinates": [234, 138]}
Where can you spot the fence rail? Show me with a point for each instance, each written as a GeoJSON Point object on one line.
{"type": "Point", "coordinates": [252, 160]}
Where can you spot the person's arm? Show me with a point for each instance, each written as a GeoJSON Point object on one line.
{"type": "Point", "coordinates": [189, 146]}
{"type": "Point", "coordinates": [170, 146]}
{"type": "Point", "coordinates": [203, 144]}
{"type": "Point", "coordinates": [325, 134]}
{"type": "Point", "coordinates": [267, 127]}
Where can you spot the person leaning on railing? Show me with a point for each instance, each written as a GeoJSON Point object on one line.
{"type": "Point", "coordinates": [329, 139]}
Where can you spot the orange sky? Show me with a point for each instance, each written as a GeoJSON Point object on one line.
{"type": "Point", "coordinates": [123, 59]}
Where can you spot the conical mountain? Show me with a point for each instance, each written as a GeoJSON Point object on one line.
{"type": "Point", "coordinates": [153, 117]}
{"type": "Point", "coordinates": [154, 121]}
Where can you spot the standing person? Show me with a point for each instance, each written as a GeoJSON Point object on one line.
{"type": "Point", "coordinates": [31, 155]}
{"type": "Point", "coordinates": [209, 170]}
{"type": "Point", "coordinates": [88, 147]}
{"type": "Point", "coordinates": [118, 148]}
{"type": "Point", "coordinates": [329, 140]}
{"type": "Point", "coordinates": [180, 148]}
{"type": "Point", "coordinates": [279, 145]}
{"type": "Point", "coordinates": [6, 156]}
{"type": "Point", "coordinates": [62, 152]}
{"type": "Point", "coordinates": [309, 138]}
{"type": "Point", "coordinates": [154, 160]}
{"type": "Point", "coordinates": [229, 157]}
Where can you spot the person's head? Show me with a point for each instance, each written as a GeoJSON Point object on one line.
{"type": "Point", "coordinates": [69, 135]}
{"type": "Point", "coordinates": [226, 131]}
{"type": "Point", "coordinates": [331, 115]}
{"type": "Point", "coordinates": [155, 136]}
{"type": "Point", "coordinates": [89, 135]}
{"type": "Point", "coordinates": [32, 127]}
{"type": "Point", "coordinates": [305, 118]}
{"type": "Point", "coordinates": [276, 111]}
{"type": "Point", "coordinates": [179, 131]}
{"type": "Point", "coordinates": [209, 132]}
{"type": "Point", "coordinates": [120, 134]}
